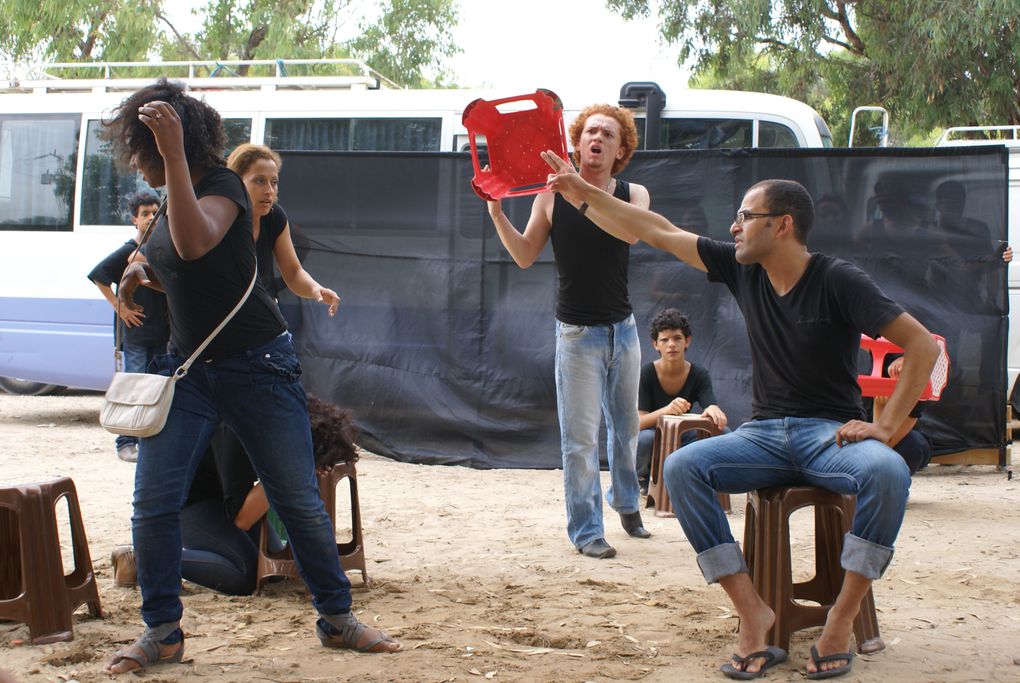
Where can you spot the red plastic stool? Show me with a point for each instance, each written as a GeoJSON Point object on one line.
{"type": "Point", "coordinates": [515, 139]}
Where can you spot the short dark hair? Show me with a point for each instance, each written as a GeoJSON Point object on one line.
{"type": "Point", "coordinates": [333, 433]}
{"type": "Point", "coordinates": [140, 199]}
{"type": "Point", "coordinates": [670, 319]}
{"type": "Point", "coordinates": [789, 197]}
{"type": "Point", "coordinates": [203, 129]}
{"type": "Point", "coordinates": [951, 190]}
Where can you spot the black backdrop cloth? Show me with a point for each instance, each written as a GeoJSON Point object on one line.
{"type": "Point", "coordinates": [443, 348]}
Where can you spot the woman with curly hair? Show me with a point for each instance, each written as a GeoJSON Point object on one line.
{"type": "Point", "coordinates": [259, 168]}
{"type": "Point", "coordinates": [202, 255]}
{"type": "Point", "coordinates": [220, 522]}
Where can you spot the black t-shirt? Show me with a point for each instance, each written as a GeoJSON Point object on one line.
{"type": "Point", "coordinates": [270, 228]}
{"type": "Point", "coordinates": [696, 389]}
{"type": "Point", "coordinates": [592, 266]}
{"type": "Point", "coordinates": [224, 474]}
{"type": "Point", "coordinates": [200, 293]}
{"type": "Point", "coordinates": [803, 345]}
{"type": "Point", "coordinates": [155, 328]}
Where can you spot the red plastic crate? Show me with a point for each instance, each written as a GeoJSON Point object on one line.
{"type": "Point", "coordinates": [515, 140]}
{"type": "Point", "coordinates": [876, 384]}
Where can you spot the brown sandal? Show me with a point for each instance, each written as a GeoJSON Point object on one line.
{"type": "Point", "coordinates": [125, 572]}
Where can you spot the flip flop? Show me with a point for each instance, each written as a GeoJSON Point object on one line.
{"type": "Point", "coordinates": [831, 673]}
{"type": "Point", "coordinates": [771, 655]}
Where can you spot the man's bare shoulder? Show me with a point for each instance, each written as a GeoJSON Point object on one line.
{"type": "Point", "coordinates": [639, 196]}
{"type": "Point", "coordinates": [543, 204]}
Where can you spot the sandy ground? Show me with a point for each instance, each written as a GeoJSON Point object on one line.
{"type": "Point", "coordinates": [473, 572]}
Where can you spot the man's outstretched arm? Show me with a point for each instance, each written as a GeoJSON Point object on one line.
{"type": "Point", "coordinates": [620, 219]}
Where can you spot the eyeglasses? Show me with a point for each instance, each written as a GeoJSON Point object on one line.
{"type": "Point", "coordinates": [748, 215]}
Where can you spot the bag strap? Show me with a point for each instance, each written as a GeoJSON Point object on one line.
{"type": "Point", "coordinates": [119, 327]}
{"type": "Point", "coordinates": [183, 370]}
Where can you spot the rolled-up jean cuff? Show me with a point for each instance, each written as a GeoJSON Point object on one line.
{"type": "Point", "coordinates": [868, 559]}
{"type": "Point", "coordinates": [163, 631]}
{"type": "Point", "coordinates": [722, 560]}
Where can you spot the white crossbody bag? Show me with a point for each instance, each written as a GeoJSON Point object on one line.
{"type": "Point", "coordinates": [137, 403]}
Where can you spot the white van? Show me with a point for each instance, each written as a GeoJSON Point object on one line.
{"type": "Point", "coordinates": [61, 194]}
{"type": "Point", "coordinates": [1010, 137]}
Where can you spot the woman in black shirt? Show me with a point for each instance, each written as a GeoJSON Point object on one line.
{"type": "Point", "coordinates": [259, 168]}
{"type": "Point", "coordinates": [203, 256]}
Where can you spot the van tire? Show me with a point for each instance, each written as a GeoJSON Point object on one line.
{"type": "Point", "coordinates": [22, 387]}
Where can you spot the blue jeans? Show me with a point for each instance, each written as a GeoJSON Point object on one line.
{"type": "Point", "coordinates": [137, 359]}
{"type": "Point", "coordinates": [788, 452]}
{"type": "Point", "coordinates": [597, 370]}
{"type": "Point", "coordinates": [216, 553]}
{"type": "Point", "coordinates": [258, 395]}
{"type": "Point", "coordinates": [915, 449]}
{"type": "Point", "coordinates": [645, 442]}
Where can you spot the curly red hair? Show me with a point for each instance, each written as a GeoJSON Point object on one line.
{"type": "Point", "coordinates": [628, 132]}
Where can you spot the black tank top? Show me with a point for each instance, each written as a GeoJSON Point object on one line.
{"type": "Point", "coordinates": [592, 266]}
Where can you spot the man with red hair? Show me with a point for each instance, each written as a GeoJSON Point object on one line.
{"type": "Point", "coordinates": [597, 352]}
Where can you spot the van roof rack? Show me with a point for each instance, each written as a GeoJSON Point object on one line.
{"type": "Point", "coordinates": [266, 75]}
{"type": "Point", "coordinates": [998, 135]}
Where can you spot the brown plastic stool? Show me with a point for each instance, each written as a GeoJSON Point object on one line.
{"type": "Point", "coordinates": [668, 431]}
{"type": "Point", "coordinates": [33, 587]}
{"type": "Point", "coordinates": [767, 554]}
{"type": "Point", "coordinates": [352, 553]}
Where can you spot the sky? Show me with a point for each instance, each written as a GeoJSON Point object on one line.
{"type": "Point", "coordinates": [568, 46]}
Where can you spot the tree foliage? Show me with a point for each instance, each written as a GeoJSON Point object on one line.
{"type": "Point", "coordinates": [77, 30]}
{"type": "Point", "coordinates": [932, 64]}
{"type": "Point", "coordinates": [407, 40]}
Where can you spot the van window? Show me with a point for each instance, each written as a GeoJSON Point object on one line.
{"type": "Point", "coordinates": [238, 131]}
{"type": "Point", "coordinates": [105, 187]}
{"type": "Point", "coordinates": [701, 133]}
{"type": "Point", "coordinates": [776, 135]}
{"type": "Point", "coordinates": [375, 134]}
{"type": "Point", "coordinates": [38, 159]}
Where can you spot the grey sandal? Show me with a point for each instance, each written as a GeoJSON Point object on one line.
{"type": "Point", "coordinates": [347, 634]}
{"type": "Point", "coordinates": [145, 653]}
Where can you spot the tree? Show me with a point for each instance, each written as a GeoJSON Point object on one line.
{"type": "Point", "coordinates": [77, 30]}
{"type": "Point", "coordinates": [932, 64]}
{"type": "Point", "coordinates": [411, 38]}
{"type": "Point", "coordinates": [408, 41]}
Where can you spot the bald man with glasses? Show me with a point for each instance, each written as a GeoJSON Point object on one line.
{"type": "Point", "coordinates": [804, 314]}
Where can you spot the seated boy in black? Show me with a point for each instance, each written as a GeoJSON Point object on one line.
{"type": "Point", "coordinates": [671, 385]}
{"type": "Point", "coordinates": [908, 440]}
